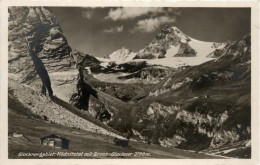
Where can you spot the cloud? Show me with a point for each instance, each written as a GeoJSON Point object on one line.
{"type": "Point", "coordinates": [131, 12]}
{"type": "Point", "coordinates": [147, 19]}
{"type": "Point", "coordinates": [151, 24]}
{"type": "Point", "coordinates": [87, 13]}
{"type": "Point", "coordinates": [114, 29]}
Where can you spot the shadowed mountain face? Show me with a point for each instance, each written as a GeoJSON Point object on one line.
{"type": "Point", "coordinates": [201, 107]}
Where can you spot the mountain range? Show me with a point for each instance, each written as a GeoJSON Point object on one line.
{"type": "Point", "coordinates": [170, 42]}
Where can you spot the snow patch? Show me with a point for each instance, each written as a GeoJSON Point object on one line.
{"type": "Point", "coordinates": [202, 48]}
{"type": "Point", "coordinates": [173, 50]}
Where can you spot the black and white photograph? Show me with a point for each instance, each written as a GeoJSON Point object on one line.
{"type": "Point", "coordinates": [124, 82]}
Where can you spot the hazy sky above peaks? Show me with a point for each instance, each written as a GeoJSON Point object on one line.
{"type": "Point", "coordinates": [101, 31]}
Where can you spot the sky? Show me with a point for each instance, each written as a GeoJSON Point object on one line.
{"type": "Point", "coordinates": [101, 31]}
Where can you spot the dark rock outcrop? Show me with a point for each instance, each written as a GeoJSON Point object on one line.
{"type": "Point", "coordinates": [185, 51]}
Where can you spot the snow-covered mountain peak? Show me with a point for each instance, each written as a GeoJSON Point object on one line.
{"type": "Point", "coordinates": [121, 55]}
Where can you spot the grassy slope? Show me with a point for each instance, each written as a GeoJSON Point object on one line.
{"type": "Point", "coordinates": [22, 121]}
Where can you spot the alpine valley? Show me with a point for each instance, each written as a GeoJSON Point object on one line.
{"type": "Point", "coordinates": [177, 97]}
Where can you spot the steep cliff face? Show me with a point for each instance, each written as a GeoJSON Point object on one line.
{"type": "Point", "coordinates": [39, 53]}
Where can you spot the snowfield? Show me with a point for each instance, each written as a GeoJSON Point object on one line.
{"type": "Point", "coordinates": [202, 48]}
